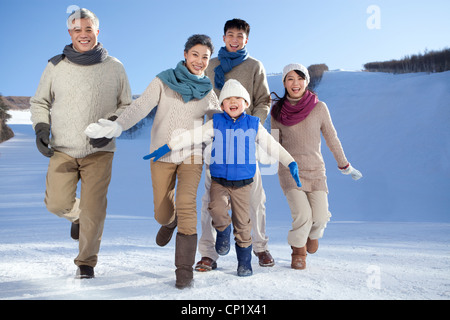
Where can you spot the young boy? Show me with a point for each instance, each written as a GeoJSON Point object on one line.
{"type": "Point", "coordinates": [234, 62]}
{"type": "Point", "coordinates": [232, 167]}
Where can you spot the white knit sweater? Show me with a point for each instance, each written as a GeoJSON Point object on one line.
{"type": "Point", "coordinates": [71, 96]}
{"type": "Point", "coordinates": [173, 117]}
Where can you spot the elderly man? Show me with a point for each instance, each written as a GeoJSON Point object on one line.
{"type": "Point", "coordinates": [78, 87]}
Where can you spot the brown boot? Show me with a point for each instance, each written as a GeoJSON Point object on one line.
{"type": "Point", "coordinates": [205, 264]}
{"type": "Point", "coordinates": [165, 233]}
{"type": "Point", "coordinates": [298, 258]}
{"type": "Point", "coordinates": [185, 249]}
{"type": "Point", "coordinates": [265, 258]}
{"type": "Point", "coordinates": [312, 245]}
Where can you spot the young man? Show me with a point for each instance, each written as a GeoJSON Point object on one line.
{"type": "Point", "coordinates": [234, 135]}
{"type": "Point", "coordinates": [234, 62]}
{"type": "Point", "coordinates": [80, 86]}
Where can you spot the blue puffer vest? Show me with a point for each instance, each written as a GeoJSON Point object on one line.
{"type": "Point", "coordinates": [233, 155]}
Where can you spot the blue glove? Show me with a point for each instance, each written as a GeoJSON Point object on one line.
{"type": "Point", "coordinates": [158, 153]}
{"type": "Point", "coordinates": [294, 172]}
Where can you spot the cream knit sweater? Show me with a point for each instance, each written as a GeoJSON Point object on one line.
{"type": "Point", "coordinates": [252, 75]}
{"type": "Point", "coordinates": [303, 142]}
{"type": "Point", "coordinates": [172, 118]}
{"type": "Point", "coordinates": [71, 96]}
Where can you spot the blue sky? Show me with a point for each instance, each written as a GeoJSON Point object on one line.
{"type": "Point", "coordinates": [148, 36]}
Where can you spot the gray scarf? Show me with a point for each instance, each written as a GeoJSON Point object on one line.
{"type": "Point", "coordinates": [94, 56]}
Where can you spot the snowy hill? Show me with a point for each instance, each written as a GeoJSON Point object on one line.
{"type": "Point", "coordinates": [395, 130]}
{"type": "Point", "coordinates": [388, 237]}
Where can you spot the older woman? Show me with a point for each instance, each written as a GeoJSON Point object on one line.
{"type": "Point", "coordinates": [301, 119]}
{"type": "Point", "coordinates": [183, 96]}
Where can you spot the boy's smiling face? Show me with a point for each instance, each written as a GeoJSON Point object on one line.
{"type": "Point", "coordinates": [234, 106]}
{"type": "Point", "coordinates": [235, 39]}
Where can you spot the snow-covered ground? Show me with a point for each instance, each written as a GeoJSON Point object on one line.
{"type": "Point", "coordinates": [389, 237]}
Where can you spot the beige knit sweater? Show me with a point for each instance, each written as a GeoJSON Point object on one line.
{"type": "Point", "coordinates": [303, 142]}
{"type": "Point", "coordinates": [172, 118]}
{"type": "Point", "coordinates": [71, 96]}
{"type": "Point", "coordinates": [252, 75]}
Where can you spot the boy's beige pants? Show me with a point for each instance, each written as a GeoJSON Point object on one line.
{"type": "Point", "coordinates": [310, 215]}
{"type": "Point", "coordinates": [89, 210]}
{"type": "Point", "coordinates": [238, 200]}
{"type": "Point", "coordinates": [257, 215]}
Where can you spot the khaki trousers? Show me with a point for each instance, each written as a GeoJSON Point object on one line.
{"type": "Point", "coordinates": [238, 200]}
{"type": "Point", "coordinates": [206, 244]}
{"type": "Point", "coordinates": [89, 210]}
{"type": "Point", "coordinates": [183, 205]}
{"type": "Point", "coordinates": [310, 215]}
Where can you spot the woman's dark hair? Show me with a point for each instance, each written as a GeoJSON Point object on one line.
{"type": "Point", "coordinates": [278, 105]}
{"type": "Point", "coordinates": [199, 39]}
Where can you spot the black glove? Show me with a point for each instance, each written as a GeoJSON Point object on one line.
{"type": "Point", "coordinates": [43, 139]}
{"type": "Point", "coordinates": [101, 142]}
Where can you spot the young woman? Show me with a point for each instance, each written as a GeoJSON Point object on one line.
{"type": "Point", "coordinates": [183, 96]}
{"type": "Point", "coordinates": [301, 119]}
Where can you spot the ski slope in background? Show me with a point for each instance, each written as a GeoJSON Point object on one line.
{"type": "Point", "coordinates": [388, 237]}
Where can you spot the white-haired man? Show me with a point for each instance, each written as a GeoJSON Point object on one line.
{"type": "Point", "coordinates": [78, 87]}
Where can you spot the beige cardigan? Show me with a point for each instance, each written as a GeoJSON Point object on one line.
{"type": "Point", "coordinates": [303, 142]}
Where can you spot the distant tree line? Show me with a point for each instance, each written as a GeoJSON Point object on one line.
{"type": "Point", "coordinates": [430, 61]}
{"type": "Point", "coordinates": [5, 131]}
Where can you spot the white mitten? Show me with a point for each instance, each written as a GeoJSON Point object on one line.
{"type": "Point", "coordinates": [352, 171]}
{"type": "Point", "coordinates": [104, 128]}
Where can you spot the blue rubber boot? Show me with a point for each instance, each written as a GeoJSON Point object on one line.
{"type": "Point", "coordinates": [223, 241]}
{"type": "Point", "coordinates": [244, 256]}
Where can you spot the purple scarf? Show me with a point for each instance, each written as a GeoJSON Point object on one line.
{"type": "Point", "coordinates": [291, 115]}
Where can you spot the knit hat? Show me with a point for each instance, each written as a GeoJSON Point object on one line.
{"type": "Point", "coordinates": [233, 88]}
{"type": "Point", "coordinates": [296, 66]}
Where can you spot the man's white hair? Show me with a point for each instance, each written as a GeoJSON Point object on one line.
{"type": "Point", "coordinates": [83, 14]}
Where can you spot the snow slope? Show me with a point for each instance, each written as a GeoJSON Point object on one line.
{"type": "Point", "coordinates": [388, 238]}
